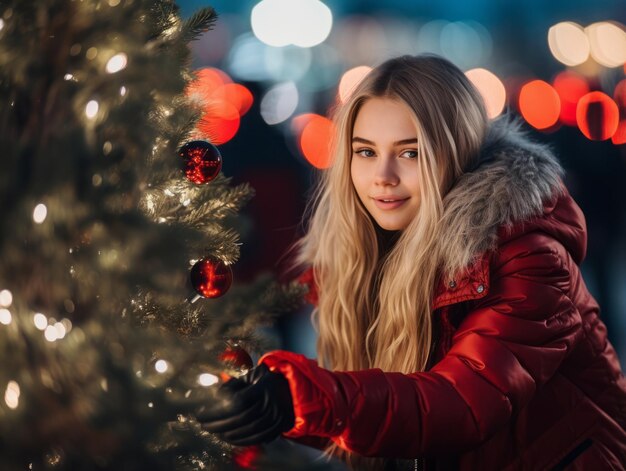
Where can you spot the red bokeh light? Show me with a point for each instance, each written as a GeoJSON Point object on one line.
{"type": "Point", "coordinates": [315, 137]}
{"type": "Point", "coordinates": [570, 87]}
{"type": "Point", "coordinates": [620, 99]}
{"type": "Point", "coordinates": [220, 122]}
{"type": "Point", "coordinates": [206, 82]}
{"type": "Point", "coordinates": [597, 116]}
{"type": "Point", "coordinates": [235, 94]}
{"type": "Point", "coordinates": [539, 104]}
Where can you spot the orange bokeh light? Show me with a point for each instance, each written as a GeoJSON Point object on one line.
{"type": "Point", "coordinates": [620, 99]}
{"type": "Point", "coordinates": [220, 122]}
{"type": "Point", "coordinates": [235, 94]}
{"type": "Point", "coordinates": [315, 132]}
{"type": "Point", "coordinates": [597, 116]}
{"type": "Point", "coordinates": [570, 87]}
{"type": "Point", "coordinates": [539, 104]}
{"type": "Point", "coordinates": [206, 82]}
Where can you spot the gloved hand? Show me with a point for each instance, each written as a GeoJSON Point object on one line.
{"type": "Point", "coordinates": [254, 408]}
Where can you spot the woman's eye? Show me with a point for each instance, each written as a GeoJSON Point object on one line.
{"type": "Point", "coordinates": [364, 152]}
{"type": "Point", "coordinates": [411, 154]}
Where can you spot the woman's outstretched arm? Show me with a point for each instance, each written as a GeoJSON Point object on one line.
{"type": "Point", "coordinates": [505, 348]}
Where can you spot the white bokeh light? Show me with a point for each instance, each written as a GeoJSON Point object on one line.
{"type": "Point", "coordinates": [608, 43]}
{"type": "Point", "coordinates": [40, 321]}
{"type": "Point", "coordinates": [6, 298]}
{"type": "Point", "coordinates": [50, 333]}
{"type": "Point", "coordinates": [116, 63]}
{"type": "Point", "coordinates": [279, 103]}
{"type": "Point", "coordinates": [304, 23]}
{"type": "Point", "coordinates": [39, 213]}
{"type": "Point", "coordinates": [12, 395]}
{"type": "Point", "coordinates": [91, 110]}
{"type": "Point", "coordinates": [207, 379]}
{"type": "Point", "coordinates": [161, 366]}
{"type": "Point", "coordinates": [5, 316]}
{"type": "Point", "coordinates": [568, 43]}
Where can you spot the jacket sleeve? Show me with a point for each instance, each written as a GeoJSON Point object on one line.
{"type": "Point", "coordinates": [508, 345]}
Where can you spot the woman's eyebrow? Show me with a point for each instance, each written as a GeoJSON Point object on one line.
{"type": "Point", "coordinates": [401, 142]}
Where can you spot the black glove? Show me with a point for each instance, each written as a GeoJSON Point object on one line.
{"type": "Point", "coordinates": [252, 409]}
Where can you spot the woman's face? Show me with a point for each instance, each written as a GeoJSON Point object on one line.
{"type": "Point", "coordinates": [384, 162]}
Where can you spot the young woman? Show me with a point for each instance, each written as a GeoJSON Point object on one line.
{"type": "Point", "coordinates": [455, 329]}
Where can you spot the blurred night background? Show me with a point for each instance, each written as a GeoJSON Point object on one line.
{"type": "Point", "coordinates": [284, 63]}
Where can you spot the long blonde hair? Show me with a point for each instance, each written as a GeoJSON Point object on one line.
{"type": "Point", "coordinates": [374, 308]}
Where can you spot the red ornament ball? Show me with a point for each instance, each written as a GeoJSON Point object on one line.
{"type": "Point", "coordinates": [211, 278]}
{"type": "Point", "coordinates": [236, 357]}
{"type": "Point", "coordinates": [201, 161]}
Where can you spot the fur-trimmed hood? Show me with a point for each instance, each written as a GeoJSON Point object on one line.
{"type": "Point", "coordinates": [511, 181]}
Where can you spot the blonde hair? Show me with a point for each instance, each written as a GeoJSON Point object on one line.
{"type": "Point", "coordinates": [374, 308]}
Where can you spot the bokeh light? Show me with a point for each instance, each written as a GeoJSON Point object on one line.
{"type": "Point", "coordinates": [223, 104]}
{"type": "Point", "coordinates": [279, 103]}
{"type": "Point", "coordinates": [116, 63]}
{"type": "Point", "coordinates": [491, 88]}
{"type": "Point", "coordinates": [608, 43]}
{"type": "Point", "coordinates": [314, 138]}
{"type": "Point", "coordinates": [40, 213]}
{"type": "Point", "coordinates": [220, 122]}
{"type": "Point", "coordinates": [620, 99]}
{"type": "Point", "coordinates": [568, 43]}
{"type": "Point", "coordinates": [350, 79]}
{"type": "Point", "coordinates": [6, 298]}
{"type": "Point", "coordinates": [236, 94]}
{"type": "Point", "coordinates": [597, 116]}
{"type": "Point", "coordinates": [207, 379]}
{"type": "Point", "coordinates": [539, 104]}
{"type": "Point", "coordinates": [12, 395]}
{"type": "Point", "coordinates": [570, 87]}
{"type": "Point", "coordinates": [304, 23]}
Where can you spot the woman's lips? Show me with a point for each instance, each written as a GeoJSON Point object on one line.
{"type": "Point", "coordinates": [391, 204]}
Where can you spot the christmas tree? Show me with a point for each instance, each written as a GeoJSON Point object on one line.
{"type": "Point", "coordinates": [115, 220]}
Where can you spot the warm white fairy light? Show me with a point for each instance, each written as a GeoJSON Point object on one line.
{"type": "Point", "coordinates": [168, 192]}
{"type": "Point", "coordinates": [12, 395]}
{"type": "Point", "coordinates": [161, 366]}
{"type": "Point", "coordinates": [1, 24]}
{"type": "Point", "coordinates": [114, 3]}
{"type": "Point", "coordinates": [5, 316]}
{"type": "Point", "coordinates": [39, 213]}
{"type": "Point", "coordinates": [67, 324]}
{"type": "Point", "coordinates": [60, 329]}
{"type": "Point", "coordinates": [40, 321]}
{"type": "Point", "coordinates": [207, 379]}
{"type": "Point", "coordinates": [50, 333]}
{"type": "Point", "coordinates": [123, 91]}
{"type": "Point", "coordinates": [91, 110]}
{"type": "Point", "coordinates": [6, 298]}
{"type": "Point", "coordinates": [68, 77]}
{"type": "Point", "coordinates": [150, 405]}
{"type": "Point", "coordinates": [116, 63]}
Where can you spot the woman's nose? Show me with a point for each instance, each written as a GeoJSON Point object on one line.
{"type": "Point", "coordinates": [386, 173]}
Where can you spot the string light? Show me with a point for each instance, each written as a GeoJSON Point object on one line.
{"type": "Point", "coordinates": [116, 63]}
{"type": "Point", "coordinates": [12, 395]}
{"type": "Point", "coordinates": [39, 213]}
{"type": "Point", "coordinates": [50, 333]}
{"type": "Point", "coordinates": [6, 298]}
{"type": "Point", "coordinates": [161, 366]}
{"type": "Point", "coordinates": [40, 321]}
{"type": "Point", "coordinates": [91, 110]}
{"type": "Point", "coordinates": [5, 316]}
{"type": "Point", "coordinates": [207, 379]}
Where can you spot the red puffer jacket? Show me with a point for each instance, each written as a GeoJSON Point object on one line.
{"type": "Point", "coordinates": [523, 378]}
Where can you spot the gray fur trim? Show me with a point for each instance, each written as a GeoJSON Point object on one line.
{"type": "Point", "coordinates": [510, 182]}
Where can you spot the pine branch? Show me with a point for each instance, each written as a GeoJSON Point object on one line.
{"type": "Point", "coordinates": [200, 22]}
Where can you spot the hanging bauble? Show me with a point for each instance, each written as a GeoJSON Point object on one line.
{"type": "Point", "coordinates": [236, 360]}
{"type": "Point", "coordinates": [211, 278]}
{"type": "Point", "coordinates": [201, 161]}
